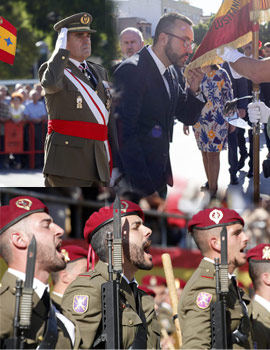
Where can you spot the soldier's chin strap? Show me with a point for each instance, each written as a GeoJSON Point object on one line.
{"type": "Point", "coordinates": [91, 256]}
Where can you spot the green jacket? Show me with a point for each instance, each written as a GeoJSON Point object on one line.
{"type": "Point", "coordinates": [261, 325]}
{"type": "Point", "coordinates": [33, 337]}
{"type": "Point", "coordinates": [73, 156]}
{"type": "Point", "coordinates": [86, 291]}
{"type": "Point", "coordinates": [194, 309]}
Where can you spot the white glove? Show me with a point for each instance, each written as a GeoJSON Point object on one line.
{"type": "Point", "coordinates": [229, 54]}
{"type": "Point", "coordinates": [61, 42]}
{"type": "Point", "coordinates": [115, 177]}
{"type": "Point", "coordinates": [258, 112]}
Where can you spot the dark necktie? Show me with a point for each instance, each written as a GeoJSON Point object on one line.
{"type": "Point", "coordinates": [50, 336]}
{"type": "Point", "coordinates": [83, 67]}
{"type": "Point", "coordinates": [134, 289]}
{"type": "Point", "coordinates": [169, 79]}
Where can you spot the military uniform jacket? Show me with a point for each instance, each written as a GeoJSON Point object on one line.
{"type": "Point", "coordinates": [194, 309]}
{"type": "Point", "coordinates": [72, 156]}
{"type": "Point", "coordinates": [39, 315]}
{"type": "Point", "coordinates": [261, 326]}
{"type": "Point", "coordinates": [56, 300]}
{"type": "Point", "coordinates": [82, 300]}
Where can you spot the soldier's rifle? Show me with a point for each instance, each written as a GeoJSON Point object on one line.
{"type": "Point", "coordinates": [219, 331]}
{"type": "Point", "coordinates": [23, 302]}
{"type": "Point", "coordinates": [110, 291]}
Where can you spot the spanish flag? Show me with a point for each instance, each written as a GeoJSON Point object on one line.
{"type": "Point", "coordinates": [8, 41]}
{"type": "Point", "coordinates": [231, 27]}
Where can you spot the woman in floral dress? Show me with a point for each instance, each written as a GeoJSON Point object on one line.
{"type": "Point", "coordinates": [211, 130]}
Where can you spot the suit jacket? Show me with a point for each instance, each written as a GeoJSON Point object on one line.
{"type": "Point", "coordinates": [194, 313]}
{"type": "Point", "coordinates": [261, 326]}
{"type": "Point", "coordinates": [145, 118]}
{"type": "Point", "coordinates": [39, 316]}
{"type": "Point", "coordinates": [86, 291]}
{"type": "Point", "coordinates": [72, 156]}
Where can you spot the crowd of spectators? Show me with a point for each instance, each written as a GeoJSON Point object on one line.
{"type": "Point", "coordinates": [24, 105]}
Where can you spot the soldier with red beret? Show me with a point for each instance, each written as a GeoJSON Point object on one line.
{"type": "Point", "coordinates": [200, 290]}
{"type": "Point", "coordinates": [24, 217]}
{"type": "Point", "coordinates": [76, 259]}
{"type": "Point", "coordinates": [259, 271]}
{"type": "Point", "coordinates": [82, 298]}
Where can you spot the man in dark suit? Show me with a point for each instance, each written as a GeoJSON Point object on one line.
{"type": "Point", "coordinates": [78, 101]}
{"type": "Point", "coordinates": [149, 99]}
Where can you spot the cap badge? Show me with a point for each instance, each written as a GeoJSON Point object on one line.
{"type": "Point", "coordinates": [24, 203]}
{"type": "Point", "coordinates": [124, 206]}
{"type": "Point", "coordinates": [203, 300]}
{"type": "Point", "coordinates": [65, 253]}
{"type": "Point", "coordinates": [266, 253]}
{"type": "Point", "coordinates": [153, 281]}
{"type": "Point", "coordinates": [85, 19]}
{"type": "Point", "coordinates": [216, 215]}
{"type": "Point", "coordinates": [80, 303]}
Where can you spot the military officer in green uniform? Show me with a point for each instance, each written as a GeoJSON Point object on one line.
{"type": "Point", "coordinates": [259, 271]}
{"type": "Point", "coordinates": [78, 101]}
{"type": "Point", "coordinates": [82, 298]}
{"type": "Point", "coordinates": [20, 220]}
{"type": "Point", "coordinates": [76, 259]}
{"type": "Point", "coordinates": [200, 290]}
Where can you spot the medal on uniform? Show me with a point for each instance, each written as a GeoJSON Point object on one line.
{"type": "Point", "coordinates": [108, 94]}
{"type": "Point", "coordinates": [79, 102]}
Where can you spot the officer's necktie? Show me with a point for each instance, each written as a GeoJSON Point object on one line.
{"type": "Point", "coordinates": [83, 67]}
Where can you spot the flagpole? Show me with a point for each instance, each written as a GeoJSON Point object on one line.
{"type": "Point", "coordinates": [256, 93]}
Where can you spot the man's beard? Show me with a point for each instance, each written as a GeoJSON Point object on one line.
{"type": "Point", "coordinates": [137, 257]}
{"type": "Point", "coordinates": [173, 57]}
{"type": "Point", "coordinates": [51, 264]}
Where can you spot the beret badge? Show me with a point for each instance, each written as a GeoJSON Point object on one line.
{"type": "Point", "coordinates": [266, 253]}
{"type": "Point", "coordinates": [124, 206]}
{"type": "Point", "coordinates": [216, 215]}
{"type": "Point", "coordinates": [24, 203]}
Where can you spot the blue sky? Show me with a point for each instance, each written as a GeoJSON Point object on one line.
{"type": "Point", "coordinates": [208, 6]}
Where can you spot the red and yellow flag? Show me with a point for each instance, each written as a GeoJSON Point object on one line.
{"type": "Point", "coordinates": [8, 41]}
{"type": "Point", "coordinates": [232, 27]}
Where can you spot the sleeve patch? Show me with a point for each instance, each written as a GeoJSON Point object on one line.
{"type": "Point", "coordinates": [80, 303]}
{"type": "Point", "coordinates": [203, 300]}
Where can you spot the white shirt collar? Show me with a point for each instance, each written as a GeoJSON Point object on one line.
{"type": "Point", "coordinates": [77, 63]}
{"type": "Point", "coordinates": [213, 262]}
{"type": "Point", "coordinates": [265, 303]}
{"type": "Point", "coordinates": [38, 286]}
{"type": "Point", "coordinates": [160, 65]}
{"type": "Point", "coordinates": [127, 280]}
{"type": "Point", "coordinates": [58, 294]}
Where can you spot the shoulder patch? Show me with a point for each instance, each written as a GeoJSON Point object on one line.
{"type": "Point", "coordinates": [203, 300]}
{"type": "Point", "coordinates": [80, 303]}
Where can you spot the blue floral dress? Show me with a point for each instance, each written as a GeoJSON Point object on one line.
{"type": "Point", "coordinates": [211, 130]}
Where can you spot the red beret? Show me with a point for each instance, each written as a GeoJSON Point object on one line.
{"type": "Point", "coordinates": [153, 281]}
{"type": "Point", "coordinates": [148, 291]}
{"type": "Point", "coordinates": [260, 253]}
{"type": "Point", "coordinates": [105, 215]}
{"type": "Point", "coordinates": [214, 217]}
{"type": "Point", "coordinates": [73, 252]}
{"type": "Point", "coordinates": [18, 209]}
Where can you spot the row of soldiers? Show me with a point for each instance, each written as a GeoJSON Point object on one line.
{"type": "Point", "coordinates": [73, 317]}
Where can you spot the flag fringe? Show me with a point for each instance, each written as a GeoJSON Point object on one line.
{"type": "Point", "coordinates": [211, 57]}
